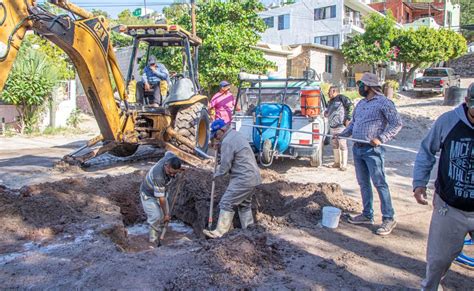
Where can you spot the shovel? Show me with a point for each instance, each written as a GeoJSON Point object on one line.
{"type": "Point", "coordinates": [213, 187]}
{"type": "Point", "coordinates": [165, 226]}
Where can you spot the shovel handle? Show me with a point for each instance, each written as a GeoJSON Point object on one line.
{"type": "Point", "coordinates": [213, 187]}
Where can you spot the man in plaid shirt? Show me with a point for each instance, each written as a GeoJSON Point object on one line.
{"type": "Point", "coordinates": [377, 121]}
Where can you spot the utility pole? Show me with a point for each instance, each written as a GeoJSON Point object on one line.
{"type": "Point", "coordinates": [144, 4]}
{"type": "Point", "coordinates": [193, 17]}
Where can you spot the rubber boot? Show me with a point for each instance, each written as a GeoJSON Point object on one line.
{"type": "Point", "coordinates": [246, 218]}
{"type": "Point", "coordinates": [344, 157]}
{"type": "Point", "coordinates": [223, 225]}
{"type": "Point", "coordinates": [153, 235]}
{"type": "Point", "coordinates": [337, 158]}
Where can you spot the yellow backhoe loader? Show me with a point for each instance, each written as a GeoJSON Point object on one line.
{"type": "Point", "coordinates": [180, 124]}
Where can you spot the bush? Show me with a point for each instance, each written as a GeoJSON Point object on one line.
{"type": "Point", "coordinates": [74, 119]}
{"type": "Point", "coordinates": [393, 84]}
{"type": "Point", "coordinates": [29, 86]}
{"type": "Point", "coordinates": [353, 94]}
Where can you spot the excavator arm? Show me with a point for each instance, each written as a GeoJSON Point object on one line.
{"type": "Point", "coordinates": [86, 40]}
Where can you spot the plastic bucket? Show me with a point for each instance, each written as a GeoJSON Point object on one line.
{"type": "Point", "coordinates": [331, 216]}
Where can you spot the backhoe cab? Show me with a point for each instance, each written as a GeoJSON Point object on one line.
{"type": "Point", "coordinates": [181, 124]}
{"type": "Point", "coordinates": [182, 102]}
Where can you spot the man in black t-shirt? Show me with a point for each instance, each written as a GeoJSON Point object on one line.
{"type": "Point", "coordinates": [453, 215]}
{"type": "Point", "coordinates": [339, 114]}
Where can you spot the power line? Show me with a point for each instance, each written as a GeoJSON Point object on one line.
{"type": "Point", "coordinates": [105, 4]}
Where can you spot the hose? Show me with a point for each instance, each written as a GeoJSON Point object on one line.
{"type": "Point", "coordinates": [10, 38]}
{"type": "Point", "coordinates": [330, 135]}
{"type": "Point", "coordinates": [4, 13]}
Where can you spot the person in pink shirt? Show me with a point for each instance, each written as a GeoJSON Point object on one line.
{"type": "Point", "coordinates": [222, 103]}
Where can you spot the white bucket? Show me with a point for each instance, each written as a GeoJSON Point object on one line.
{"type": "Point", "coordinates": [331, 216]}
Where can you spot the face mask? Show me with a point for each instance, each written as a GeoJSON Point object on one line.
{"type": "Point", "coordinates": [470, 103]}
{"type": "Point", "coordinates": [470, 97]}
{"type": "Point", "coordinates": [362, 91]}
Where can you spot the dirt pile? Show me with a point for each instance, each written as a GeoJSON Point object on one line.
{"type": "Point", "coordinates": [108, 204]}
{"type": "Point", "coordinates": [276, 201]}
{"type": "Point", "coordinates": [70, 206]}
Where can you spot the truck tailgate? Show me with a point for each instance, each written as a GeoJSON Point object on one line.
{"type": "Point", "coordinates": [302, 123]}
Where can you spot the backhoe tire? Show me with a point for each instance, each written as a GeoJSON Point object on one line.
{"type": "Point", "coordinates": [124, 150]}
{"type": "Point", "coordinates": [192, 122]}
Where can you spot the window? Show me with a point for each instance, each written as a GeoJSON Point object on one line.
{"type": "Point", "coordinates": [329, 40]}
{"type": "Point", "coordinates": [284, 21]}
{"type": "Point", "coordinates": [328, 67]}
{"type": "Point", "coordinates": [269, 22]}
{"type": "Point", "coordinates": [325, 12]}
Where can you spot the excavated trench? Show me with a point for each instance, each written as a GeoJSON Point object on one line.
{"type": "Point", "coordinates": [109, 204]}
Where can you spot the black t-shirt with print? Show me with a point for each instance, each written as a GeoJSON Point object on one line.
{"type": "Point", "coordinates": [455, 181]}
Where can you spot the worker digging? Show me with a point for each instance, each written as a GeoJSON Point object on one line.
{"type": "Point", "coordinates": [165, 159]}
{"type": "Point", "coordinates": [236, 159]}
{"type": "Point", "coordinates": [154, 193]}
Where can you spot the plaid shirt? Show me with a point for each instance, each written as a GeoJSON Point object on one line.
{"type": "Point", "coordinates": [374, 118]}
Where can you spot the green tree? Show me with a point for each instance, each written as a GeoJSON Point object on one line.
{"type": "Point", "coordinates": [374, 46]}
{"type": "Point", "coordinates": [425, 46]}
{"type": "Point", "coordinates": [99, 12]}
{"type": "Point", "coordinates": [229, 30]}
{"type": "Point", "coordinates": [55, 56]}
{"type": "Point", "coordinates": [467, 17]}
{"type": "Point", "coordinates": [126, 18]}
{"type": "Point", "coordinates": [29, 86]}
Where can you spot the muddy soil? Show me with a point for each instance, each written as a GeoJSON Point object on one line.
{"type": "Point", "coordinates": [54, 213]}
{"type": "Point", "coordinates": [276, 202]}
{"type": "Point", "coordinates": [288, 250]}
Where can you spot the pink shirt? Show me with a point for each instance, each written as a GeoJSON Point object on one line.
{"type": "Point", "coordinates": [223, 104]}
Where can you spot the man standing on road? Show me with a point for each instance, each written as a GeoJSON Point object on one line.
{"type": "Point", "coordinates": [453, 203]}
{"type": "Point", "coordinates": [238, 160]}
{"type": "Point", "coordinates": [339, 114]}
{"type": "Point", "coordinates": [153, 192]}
{"type": "Point", "coordinates": [376, 121]}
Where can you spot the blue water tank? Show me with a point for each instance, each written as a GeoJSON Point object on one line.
{"type": "Point", "coordinates": [267, 114]}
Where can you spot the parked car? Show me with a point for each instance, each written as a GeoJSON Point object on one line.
{"type": "Point", "coordinates": [436, 80]}
{"type": "Point", "coordinates": [296, 104]}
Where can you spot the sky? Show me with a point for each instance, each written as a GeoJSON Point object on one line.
{"type": "Point", "coordinates": [114, 7]}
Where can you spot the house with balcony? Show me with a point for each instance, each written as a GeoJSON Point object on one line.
{"type": "Point", "coordinates": [326, 22]}
{"type": "Point", "coordinates": [314, 30]}
{"type": "Point", "coordinates": [436, 13]}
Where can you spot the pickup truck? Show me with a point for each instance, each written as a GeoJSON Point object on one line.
{"type": "Point", "coordinates": [436, 80]}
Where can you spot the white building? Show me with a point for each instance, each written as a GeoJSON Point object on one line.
{"type": "Point", "coordinates": [325, 22]}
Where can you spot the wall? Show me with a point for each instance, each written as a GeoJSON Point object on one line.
{"type": "Point", "coordinates": [398, 9]}
{"type": "Point", "coordinates": [303, 28]}
{"type": "Point", "coordinates": [9, 115]}
{"type": "Point", "coordinates": [64, 97]}
{"type": "Point", "coordinates": [280, 62]}
{"type": "Point", "coordinates": [300, 63]}
{"type": "Point", "coordinates": [318, 62]}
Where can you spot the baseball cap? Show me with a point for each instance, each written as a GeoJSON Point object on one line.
{"type": "Point", "coordinates": [152, 60]}
{"type": "Point", "coordinates": [224, 84]}
{"type": "Point", "coordinates": [216, 125]}
{"type": "Point", "coordinates": [470, 96]}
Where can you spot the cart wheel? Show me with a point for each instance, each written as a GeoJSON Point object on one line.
{"type": "Point", "coordinates": [266, 156]}
{"type": "Point", "coordinates": [316, 158]}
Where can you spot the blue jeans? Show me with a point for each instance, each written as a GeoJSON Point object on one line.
{"type": "Point", "coordinates": [369, 164]}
